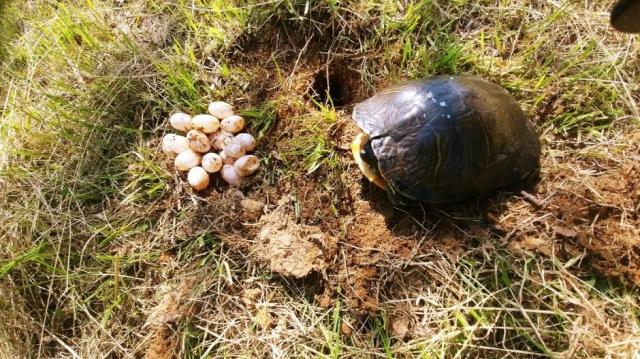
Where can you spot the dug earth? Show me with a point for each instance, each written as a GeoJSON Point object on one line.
{"type": "Point", "coordinates": [291, 249]}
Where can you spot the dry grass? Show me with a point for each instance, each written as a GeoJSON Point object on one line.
{"type": "Point", "coordinates": [108, 254]}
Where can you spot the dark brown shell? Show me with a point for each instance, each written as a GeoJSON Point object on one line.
{"type": "Point", "coordinates": [448, 138]}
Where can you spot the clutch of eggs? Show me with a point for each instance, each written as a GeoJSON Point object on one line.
{"type": "Point", "coordinates": [212, 143]}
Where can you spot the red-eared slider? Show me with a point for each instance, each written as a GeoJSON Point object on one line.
{"type": "Point", "coordinates": [444, 139]}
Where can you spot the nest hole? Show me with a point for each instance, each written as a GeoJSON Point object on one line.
{"type": "Point", "coordinates": [337, 84]}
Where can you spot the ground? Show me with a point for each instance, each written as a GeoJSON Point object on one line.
{"type": "Point", "coordinates": [108, 253]}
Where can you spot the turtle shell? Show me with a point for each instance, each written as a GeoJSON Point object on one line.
{"type": "Point", "coordinates": [448, 138]}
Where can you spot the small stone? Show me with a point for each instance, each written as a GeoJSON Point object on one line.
{"type": "Point", "coordinates": [345, 329]}
{"type": "Point", "coordinates": [399, 326]}
{"type": "Point", "coordinates": [564, 232]}
{"type": "Point", "coordinates": [249, 296]}
{"type": "Point", "coordinates": [252, 209]}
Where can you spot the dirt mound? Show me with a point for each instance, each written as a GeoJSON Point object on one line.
{"type": "Point", "coordinates": [173, 306]}
{"type": "Point", "coordinates": [292, 249]}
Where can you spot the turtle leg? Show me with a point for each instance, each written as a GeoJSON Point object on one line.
{"type": "Point", "coordinates": [396, 199]}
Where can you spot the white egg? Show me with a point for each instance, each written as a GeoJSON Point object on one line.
{"type": "Point", "coordinates": [230, 176]}
{"type": "Point", "coordinates": [226, 159]}
{"type": "Point", "coordinates": [220, 139]}
{"type": "Point", "coordinates": [211, 162]}
{"type": "Point", "coordinates": [234, 149]}
{"type": "Point", "coordinates": [246, 165]}
{"type": "Point", "coordinates": [198, 178]}
{"type": "Point", "coordinates": [247, 141]}
{"type": "Point", "coordinates": [205, 123]}
{"type": "Point", "coordinates": [220, 109]}
{"type": "Point", "coordinates": [174, 144]}
{"type": "Point", "coordinates": [187, 160]}
{"type": "Point", "coordinates": [180, 121]}
{"type": "Point", "coordinates": [233, 124]}
{"type": "Point", "coordinates": [198, 141]}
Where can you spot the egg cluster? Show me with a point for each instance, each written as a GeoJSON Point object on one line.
{"type": "Point", "coordinates": [213, 143]}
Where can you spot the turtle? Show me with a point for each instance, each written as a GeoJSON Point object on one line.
{"type": "Point", "coordinates": [444, 139]}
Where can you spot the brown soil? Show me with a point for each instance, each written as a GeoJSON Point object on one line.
{"type": "Point", "coordinates": [292, 249]}
{"type": "Point", "coordinates": [592, 209]}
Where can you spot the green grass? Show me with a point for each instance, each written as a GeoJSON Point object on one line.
{"type": "Point", "coordinates": [8, 27]}
{"type": "Point", "coordinates": [312, 149]}
{"type": "Point", "coordinates": [97, 228]}
{"type": "Point", "coordinates": [261, 119]}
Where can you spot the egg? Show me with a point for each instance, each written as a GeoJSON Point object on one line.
{"type": "Point", "coordinates": [231, 177]}
{"type": "Point", "coordinates": [205, 123]}
{"type": "Point", "coordinates": [246, 165]}
{"type": "Point", "coordinates": [211, 162]}
{"type": "Point", "coordinates": [220, 109]}
{"type": "Point", "coordinates": [226, 159]}
{"type": "Point", "coordinates": [233, 124]}
{"type": "Point", "coordinates": [247, 141]}
{"type": "Point", "coordinates": [198, 178]}
{"type": "Point", "coordinates": [174, 144]}
{"type": "Point", "coordinates": [234, 149]}
{"type": "Point", "coordinates": [187, 160]}
{"type": "Point", "coordinates": [220, 139]}
{"type": "Point", "coordinates": [180, 121]}
{"type": "Point", "coordinates": [198, 141]}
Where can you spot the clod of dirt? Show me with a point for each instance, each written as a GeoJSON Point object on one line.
{"type": "Point", "coordinates": [250, 296]}
{"type": "Point", "coordinates": [263, 319]}
{"type": "Point", "coordinates": [399, 326]}
{"type": "Point", "coordinates": [564, 232]}
{"type": "Point", "coordinates": [173, 306]}
{"type": "Point", "coordinates": [345, 329]}
{"type": "Point", "coordinates": [163, 345]}
{"type": "Point", "coordinates": [250, 209]}
{"type": "Point", "coordinates": [292, 249]}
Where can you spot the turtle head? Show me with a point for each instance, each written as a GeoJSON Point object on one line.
{"type": "Point", "coordinates": [366, 159]}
